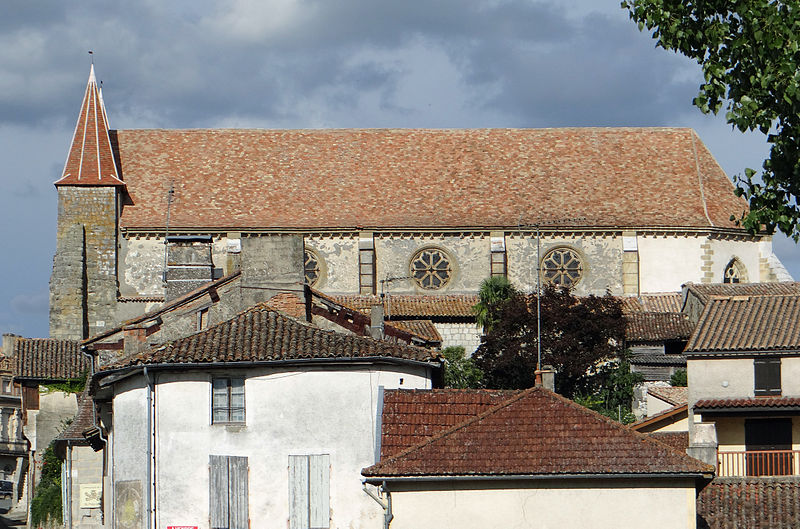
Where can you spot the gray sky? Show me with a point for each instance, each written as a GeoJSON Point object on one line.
{"type": "Point", "coordinates": [315, 63]}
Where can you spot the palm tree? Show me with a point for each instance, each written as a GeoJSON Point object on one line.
{"type": "Point", "coordinates": [494, 291]}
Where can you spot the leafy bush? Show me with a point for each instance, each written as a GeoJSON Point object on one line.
{"type": "Point", "coordinates": [460, 371]}
{"type": "Point", "coordinates": [46, 508]}
{"type": "Point", "coordinates": [679, 379]}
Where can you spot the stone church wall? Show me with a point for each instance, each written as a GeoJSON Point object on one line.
{"type": "Point", "coordinates": [91, 210]}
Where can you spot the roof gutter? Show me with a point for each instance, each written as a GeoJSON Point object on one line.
{"type": "Point", "coordinates": [375, 480]}
{"type": "Point", "coordinates": [740, 353]}
{"type": "Point", "coordinates": [118, 374]}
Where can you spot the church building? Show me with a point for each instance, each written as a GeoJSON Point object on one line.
{"type": "Point", "coordinates": [145, 216]}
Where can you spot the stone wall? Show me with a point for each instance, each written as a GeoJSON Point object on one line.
{"type": "Point", "coordinates": [467, 335]}
{"type": "Point", "coordinates": [83, 285]}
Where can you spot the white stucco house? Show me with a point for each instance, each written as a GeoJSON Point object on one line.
{"type": "Point", "coordinates": [259, 421]}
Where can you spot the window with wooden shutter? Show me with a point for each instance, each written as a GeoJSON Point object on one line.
{"type": "Point", "coordinates": [767, 374]}
{"type": "Point", "coordinates": [228, 492]}
{"type": "Point", "coordinates": [309, 491]}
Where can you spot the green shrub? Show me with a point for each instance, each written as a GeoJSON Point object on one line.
{"type": "Point", "coordinates": [46, 508]}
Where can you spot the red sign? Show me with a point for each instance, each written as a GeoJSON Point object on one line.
{"type": "Point", "coordinates": [181, 527]}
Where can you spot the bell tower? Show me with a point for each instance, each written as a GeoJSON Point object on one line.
{"type": "Point", "coordinates": [83, 285]}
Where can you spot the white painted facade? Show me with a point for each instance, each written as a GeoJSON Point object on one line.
{"type": "Point", "coordinates": [545, 504]}
{"type": "Point", "coordinates": [331, 409]}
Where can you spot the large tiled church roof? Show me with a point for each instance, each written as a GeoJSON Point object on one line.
{"type": "Point", "coordinates": [422, 179]}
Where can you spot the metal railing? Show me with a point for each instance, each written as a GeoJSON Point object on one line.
{"type": "Point", "coordinates": [759, 463]}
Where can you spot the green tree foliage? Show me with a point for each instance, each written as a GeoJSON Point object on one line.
{"type": "Point", "coordinates": [46, 502]}
{"type": "Point", "coordinates": [749, 51]}
{"type": "Point", "coordinates": [679, 379]}
{"type": "Point", "coordinates": [494, 291]}
{"type": "Point", "coordinates": [579, 335]}
{"type": "Point", "coordinates": [614, 390]}
{"type": "Point", "coordinates": [460, 371]}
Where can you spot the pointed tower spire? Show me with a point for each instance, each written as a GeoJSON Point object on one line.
{"type": "Point", "coordinates": [90, 161]}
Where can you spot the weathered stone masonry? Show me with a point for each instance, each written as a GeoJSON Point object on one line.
{"type": "Point", "coordinates": [83, 286]}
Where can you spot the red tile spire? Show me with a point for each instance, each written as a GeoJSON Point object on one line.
{"type": "Point", "coordinates": [90, 161]}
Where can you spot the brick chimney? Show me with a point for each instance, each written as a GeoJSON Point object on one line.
{"type": "Point", "coordinates": [8, 343]}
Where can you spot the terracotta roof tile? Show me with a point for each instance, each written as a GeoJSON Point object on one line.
{"type": "Point", "coordinates": [537, 432]}
{"type": "Point", "coordinates": [704, 291]}
{"type": "Point", "coordinates": [749, 503]}
{"type": "Point", "coordinates": [411, 416]}
{"type": "Point", "coordinates": [671, 395]}
{"type": "Point", "coordinates": [261, 334]}
{"type": "Point", "coordinates": [82, 421]}
{"type": "Point", "coordinates": [91, 158]}
{"type": "Point", "coordinates": [760, 402]}
{"type": "Point", "coordinates": [417, 306]}
{"type": "Point", "coordinates": [748, 324]}
{"type": "Point", "coordinates": [670, 177]}
{"type": "Point", "coordinates": [49, 359]}
{"type": "Point", "coordinates": [652, 302]}
{"type": "Point", "coordinates": [677, 440]}
{"type": "Point", "coordinates": [422, 328]}
{"type": "Point", "coordinates": [657, 326]}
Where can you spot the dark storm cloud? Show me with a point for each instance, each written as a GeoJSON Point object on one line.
{"type": "Point", "coordinates": [189, 66]}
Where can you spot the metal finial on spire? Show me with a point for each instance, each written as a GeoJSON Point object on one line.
{"type": "Point", "coordinates": [91, 55]}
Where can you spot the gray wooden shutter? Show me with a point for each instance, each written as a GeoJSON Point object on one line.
{"type": "Point", "coordinates": [237, 493]}
{"type": "Point", "coordinates": [298, 492]}
{"type": "Point", "coordinates": [319, 491]}
{"type": "Point", "coordinates": [218, 493]}
{"type": "Point", "coordinates": [309, 492]}
{"type": "Point", "coordinates": [228, 507]}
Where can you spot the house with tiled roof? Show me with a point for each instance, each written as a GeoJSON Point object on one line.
{"type": "Point", "coordinates": [37, 365]}
{"type": "Point", "coordinates": [525, 458]}
{"type": "Point", "coordinates": [153, 214]}
{"type": "Point", "coordinates": [744, 393]}
{"type": "Point", "coordinates": [262, 419]}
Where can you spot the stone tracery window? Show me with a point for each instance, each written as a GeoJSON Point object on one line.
{"type": "Point", "coordinates": [562, 267]}
{"type": "Point", "coordinates": [735, 272]}
{"type": "Point", "coordinates": [431, 268]}
{"type": "Point", "coordinates": [312, 267]}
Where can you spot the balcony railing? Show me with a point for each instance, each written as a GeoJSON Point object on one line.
{"type": "Point", "coordinates": [759, 463]}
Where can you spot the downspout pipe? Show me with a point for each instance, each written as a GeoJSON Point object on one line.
{"type": "Point", "coordinates": [68, 485]}
{"type": "Point", "coordinates": [149, 448]}
{"type": "Point", "coordinates": [85, 350]}
{"type": "Point", "coordinates": [386, 505]}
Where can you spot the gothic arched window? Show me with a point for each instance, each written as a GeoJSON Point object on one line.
{"type": "Point", "coordinates": [312, 267]}
{"type": "Point", "coordinates": [562, 267]}
{"type": "Point", "coordinates": [735, 272]}
{"type": "Point", "coordinates": [431, 268]}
